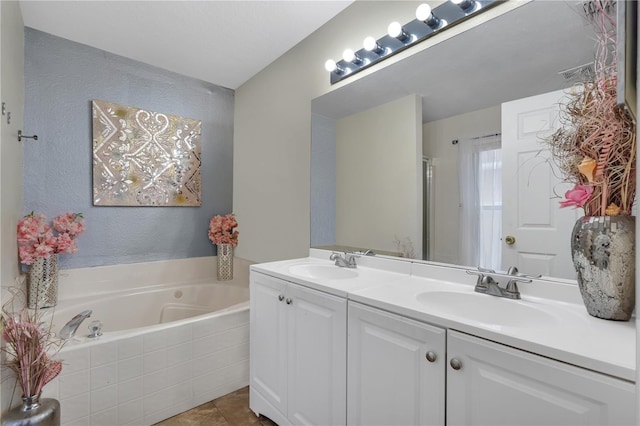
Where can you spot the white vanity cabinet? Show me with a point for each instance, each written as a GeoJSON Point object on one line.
{"type": "Point", "coordinates": [499, 385]}
{"type": "Point", "coordinates": [298, 353]}
{"type": "Point", "coordinates": [400, 370]}
{"type": "Point", "coordinates": [396, 370]}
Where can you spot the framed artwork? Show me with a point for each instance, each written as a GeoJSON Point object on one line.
{"type": "Point", "coordinates": [144, 158]}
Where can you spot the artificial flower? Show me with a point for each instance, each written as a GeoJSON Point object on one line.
{"type": "Point", "coordinates": [221, 230]}
{"type": "Point", "coordinates": [595, 143]}
{"type": "Point", "coordinates": [29, 348]}
{"type": "Point", "coordinates": [36, 238]}
{"type": "Point", "coordinates": [577, 196]}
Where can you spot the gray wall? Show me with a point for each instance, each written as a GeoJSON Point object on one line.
{"type": "Point", "coordinates": [61, 79]}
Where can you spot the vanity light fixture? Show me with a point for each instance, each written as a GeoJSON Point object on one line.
{"type": "Point", "coordinates": [428, 22]}
{"type": "Point", "coordinates": [424, 14]}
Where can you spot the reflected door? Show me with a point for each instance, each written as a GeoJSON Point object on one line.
{"type": "Point", "coordinates": [535, 231]}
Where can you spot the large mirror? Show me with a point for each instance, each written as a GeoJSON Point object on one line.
{"type": "Point", "coordinates": [387, 149]}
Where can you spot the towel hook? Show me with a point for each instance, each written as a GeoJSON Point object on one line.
{"type": "Point", "coordinates": [21, 136]}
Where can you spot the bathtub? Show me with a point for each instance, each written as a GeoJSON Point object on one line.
{"type": "Point", "coordinates": [165, 348]}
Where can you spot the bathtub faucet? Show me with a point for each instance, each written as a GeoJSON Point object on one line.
{"type": "Point", "coordinates": [70, 328]}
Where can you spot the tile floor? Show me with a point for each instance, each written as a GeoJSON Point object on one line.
{"type": "Point", "coordinates": [229, 410]}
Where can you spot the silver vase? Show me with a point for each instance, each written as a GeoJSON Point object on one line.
{"type": "Point", "coordinates": [225, 262]}
{"type": "Point", "coordinates": [43, 283]}
{"type": "Point", "coordinates": [34, 412]}
{"type": "Point", "coordinates": [603, 251]}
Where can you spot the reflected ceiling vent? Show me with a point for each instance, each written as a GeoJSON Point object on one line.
{"type": "Point", "coordinates": [579, 74]}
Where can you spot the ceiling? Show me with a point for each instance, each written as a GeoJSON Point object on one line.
{"type": "Point", "coordinates": [515, 55]}
{"type": "Point", "coordinates": [222, 42]}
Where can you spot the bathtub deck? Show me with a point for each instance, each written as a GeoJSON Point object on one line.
{"type": "Point", "coordinates": [229, 410]}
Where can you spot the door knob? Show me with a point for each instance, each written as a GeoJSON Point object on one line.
{"type": "Point", "coordinates": [288, 301]}
{"type": "Point", "coordinates": [281, 297]}
{"type": "Point", "coordinates": [431, 356]}
{"type": "Point", "coordinates": [510, 239]}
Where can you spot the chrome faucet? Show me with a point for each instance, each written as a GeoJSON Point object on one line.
{"type": "Point", "coordinates": [70, 328]}
{"type": "Point", "coordinates": [487, 284]}
{"type": "Point", "coordinates": [348, 261]}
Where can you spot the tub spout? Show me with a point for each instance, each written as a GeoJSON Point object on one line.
{"type": "Point", "coordinates": [70, 328]}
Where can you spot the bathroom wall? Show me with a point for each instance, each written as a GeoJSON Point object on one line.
{"type": "Point", "coordinates": [437, 137]}
{"type": "Point", "coordinates": [378, 168]}
{"type": "Point", "coordinates": [61, 79]}
{"type": "Point", "coordinates": [12, 94]}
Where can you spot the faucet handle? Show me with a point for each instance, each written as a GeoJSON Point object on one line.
{"type": "Point", "coordinates": [95, 328]}
{"type": "Point", "coordinates": [512, 291]}
{"type": "Point", "coordinates": [514, 272]}
{"type": "Point", "coordinates": [480, 275]}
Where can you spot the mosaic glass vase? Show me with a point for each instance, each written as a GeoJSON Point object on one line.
{"type": "Point", "coordinates": [225, 262]}
{"type": "Point", "coordinates": [603, 252]}
{"type": "Point", "coordinates": [43, 283]}
{"type": "Point", "coordinates": [34, 412]}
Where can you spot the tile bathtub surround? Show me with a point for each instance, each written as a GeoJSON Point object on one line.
{"type": "Point", "coordinates": [144, 379]}
{"type": "Point", "coordinates": [229, 410]}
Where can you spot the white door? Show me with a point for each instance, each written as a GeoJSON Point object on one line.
{"type": "Point", "coordinates": [391, 381]}
{"type": "Point", "coordinates": [498, 385]}
{"type": "Point", "coordinates": [531, 210]}
{"type": "Point", "coordinates": [317, 357]}
{"type": "Point", "coordinates": [268, 363]}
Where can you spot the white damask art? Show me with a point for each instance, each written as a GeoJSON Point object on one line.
{"type": "Point", "coordinates": [144, 158]}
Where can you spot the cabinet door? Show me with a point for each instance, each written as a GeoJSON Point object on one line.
{"type": "Point", "coordinates": [268, 367]}
{"type": "Point", "coordinates": [390, 381]}
{"type": "Point", "coordinates": [499, 385]}
{"type": "Point", "coordinates": [317, 333]}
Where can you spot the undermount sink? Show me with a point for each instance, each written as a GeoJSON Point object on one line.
{"type": "Point", "coordinates": [486, 309]}
{"type": "Point", "coordinates": [327, 272]}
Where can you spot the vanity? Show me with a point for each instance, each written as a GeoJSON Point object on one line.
{"type": "Point", "coordinates": [394, 342]}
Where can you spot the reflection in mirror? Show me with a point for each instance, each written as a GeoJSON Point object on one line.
{"type": "Point", "coordinates": [370, 137]}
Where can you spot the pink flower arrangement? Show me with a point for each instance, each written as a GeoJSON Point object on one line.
{"type": "Point", "coordinates": [595, 148]}
{"type": "Point", "coordinates": [36, 238]}
{"type": "Point", "coordinates": [221, 230]}
{"type": "Point", "coordinates": [29, 348]}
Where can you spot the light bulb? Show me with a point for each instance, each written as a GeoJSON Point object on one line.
{"type": "Point", "coordinates": [330, 65]}
{"type": "Point", "coordinates": [395, 29]}
{"type": "Point", "coordinates": [423, 12]}
{"type": "Point", "coordinates": [370, 44]}
{"type": "Point", "coordinates": [348, 55]}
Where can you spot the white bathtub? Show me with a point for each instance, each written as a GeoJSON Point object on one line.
{"type": "Point", "coordinates": [129, 310]}
{"type": "Point", "coordinates": [165, 349]}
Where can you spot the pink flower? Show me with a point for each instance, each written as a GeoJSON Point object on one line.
{"type": "Point", "coordinates": [66, 244]}
{"type": "Point", "coordinates": [36, 238]}
{"type": "Point", "coordinates": [577, 196]}
{"type": "Point", "coordinates": [221, 230]}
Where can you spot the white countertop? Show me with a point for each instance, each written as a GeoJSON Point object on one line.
{"type": "Point", "coordinates": [560, 327]}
